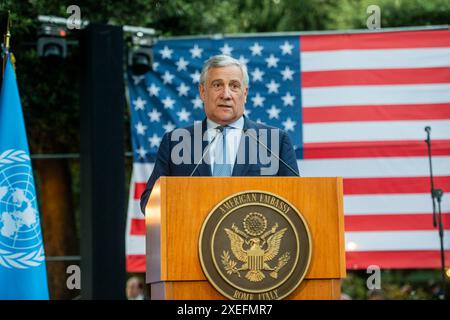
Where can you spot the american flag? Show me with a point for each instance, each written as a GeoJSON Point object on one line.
{"type": "Point", "coordinates": [355, 105]}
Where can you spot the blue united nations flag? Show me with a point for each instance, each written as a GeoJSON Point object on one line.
{"type": "Point", "coordinates": [22, 260]}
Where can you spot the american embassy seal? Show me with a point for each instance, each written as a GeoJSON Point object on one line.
{"type": "Point", "coordinates": [255, 245]}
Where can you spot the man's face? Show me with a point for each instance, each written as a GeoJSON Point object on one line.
{"type": "Point", "coordinates": [224, 94]}
{"type": "Point", "coordinates": [133, 289]}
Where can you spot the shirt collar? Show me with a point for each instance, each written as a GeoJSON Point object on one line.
{"type": "Point", "coordinates": [238, 124]}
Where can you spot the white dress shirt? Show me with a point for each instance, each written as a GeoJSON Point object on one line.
{"type": "Point", "coordinates": [233, 137]}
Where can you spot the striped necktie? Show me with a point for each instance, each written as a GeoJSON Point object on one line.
{"type": "Point", "coordinates": [222, 167]}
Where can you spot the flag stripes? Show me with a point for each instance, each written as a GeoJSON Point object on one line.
{"type": "Point", "coordinates": [364, 101]}
{"type": "Point", "coordinates": [377, 113]}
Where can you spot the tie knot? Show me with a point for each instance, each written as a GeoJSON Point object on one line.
{"type": "Point", "coordinates": [224, 128]}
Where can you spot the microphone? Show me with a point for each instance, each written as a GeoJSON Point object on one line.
{"type": "Point", "coordinates": [220, 130]}
{"type": "Point", "coordinates": [428, 130]}
{"type": "Point", "coordinates": [433, 194]}
{"type": "Point", "coordinates": [268, 149]}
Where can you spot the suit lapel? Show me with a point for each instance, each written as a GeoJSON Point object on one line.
{"type": "Point", "coordinates": [241, 169]}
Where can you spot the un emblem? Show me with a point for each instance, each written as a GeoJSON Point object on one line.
{"type": "Point", "coordinates": [21, 244]}
{"type": "Point", "coordinates": [255, 245]}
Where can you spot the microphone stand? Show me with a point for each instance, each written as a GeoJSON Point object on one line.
{"type": "Point", "coordinates": [268, 149]}
{"type": "Point", "coordinates": [436, 198]}
{"type": "Point", "coordinates": [220, 130]}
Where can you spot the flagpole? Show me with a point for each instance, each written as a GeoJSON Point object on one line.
{"type": "Point", "coordinates": [6, 39]}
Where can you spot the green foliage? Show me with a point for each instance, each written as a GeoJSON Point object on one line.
{"type": "Point", "coordinates": [352, 14]}
{"type": "Point", "coordinates": [355, 285]}
{"type": "Point", "coordinates": [403, 284]}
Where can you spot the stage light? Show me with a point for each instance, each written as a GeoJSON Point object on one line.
{"type": "Point", "coordinates": [447, 272]}
{"type": "Point", "coordinates": [140, 54]}
{"type": "Point", "coordinates": [52, 42]}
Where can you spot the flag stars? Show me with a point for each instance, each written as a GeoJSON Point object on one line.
{"type": "Point", "coordinates": [167, 77]}
{"type": "Point", "coordinates": [154, 140]}
{"type": "Point", "coordinates": [257, 75]}
{"type": "Point", "coordinates": [139, 104]}
{"type": "Point", "coordinates": [166, 53]}
{"type": "Point", "coordinates": [183, 115]}
{"type": "Point", "coordinates": [271, 77]}
{"type": "Point", "coordinates": [181, 64]}
{"type": "Point", "coordinates": [289, 125]}
{"type": "Point", "coordinates": [243, 60]}
{"type": "Point", "coordinates": [272, 61]}
{"type": "Point", "coordinates": [168, 102]}
{"type": "Point", "coordinates": [258, 100]}
{"type": "Point", "coordinates": [226, 49]}
{"type": "Point", "coordinates": [286, 48]}
{"type": "Point", "coordinates": [137, 79]}
{"type": "Point", "coordinates": [154, 115]}
{"type": "Point", "coordinates": [195, 77]}
{"type": "Point", "coordinates": [197, 102]}
{"type": "Point", "coordinates": [256, 49]}
{"type": "Point", "coordinates": [153, 90]}
{"type": "Point", "coordinates": [287, 73]}
{"type": "Point", "coordinates": [272, 87]}
{"type": "Point", "coordinates": [196, 52]}
{"type": "Point", "coordinates": [182, 89]}
{"type": "Point", "coordinates": [141, 152]}
{"type": "Point", "coordinates": [140, 128]}
{"type": "Point", "coordinates": [273, 112]}
{"type": "Point", "coordinates": [288, 99]}
{"type": "Point", "coordinates": [169, 126]}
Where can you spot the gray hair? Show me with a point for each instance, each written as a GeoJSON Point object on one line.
{"type": "Point", "coordinates": [222, 60]}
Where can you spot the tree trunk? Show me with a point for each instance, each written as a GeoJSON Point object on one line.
{"type": "Point", "coordinates": [58, 223]}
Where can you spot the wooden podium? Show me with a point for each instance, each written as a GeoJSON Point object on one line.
{"type": "Point", "coordinates": [178, 207]}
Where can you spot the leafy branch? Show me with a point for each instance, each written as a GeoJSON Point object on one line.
{"type": "Point", "coordinates": [229, 265]}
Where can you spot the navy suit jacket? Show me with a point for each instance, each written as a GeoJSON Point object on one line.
{"type": "Point", "coordinates": [164, 165]}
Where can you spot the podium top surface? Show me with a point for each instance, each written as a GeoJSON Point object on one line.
{"type": "Point", "coordinates": [178, 207]}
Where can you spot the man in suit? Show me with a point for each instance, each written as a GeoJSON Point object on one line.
{"type": "Point", "coordinates": [225, 143]}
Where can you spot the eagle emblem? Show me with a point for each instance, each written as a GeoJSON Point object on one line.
{"type": "Point", "coordinates": [255, 249]}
